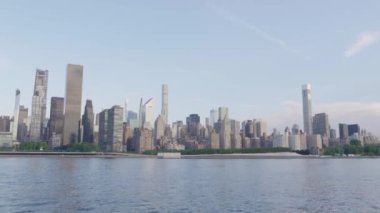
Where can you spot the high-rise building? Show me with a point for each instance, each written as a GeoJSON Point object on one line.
{"type": "Point", "coordinates": [223, 113]}
{"type": "Point", "coordinates": [15, 116]}
{"type": "Point", "coordinates": [103, 130]}
{"type": "Point", "coordinates": [343, 131]}
{"type": "Point", "coordinates": [159, 129]}
{"type": "Point", "coordinates": [213, 117]}
{"type": "Point", "coordinates": [73, 103]}
{"type": "Point", "coordinates": [5, 124]}
{"type": "Point", "coordinates": [333, 134]}
{"type": "Point", "coordinates": [88, 123]}
{"type": "Point", "coordinates": [165, 103]}
{"type": "Point", "coordinates": [261, 128]}
{"type": "Point", "coordinates": [56, 121]}
{"type": "Point", "coordinates": [111, 129]}
{"type": "Point", "coordinates": [296, 129]}
{"type": "Point", "coordinates": [321, 125]}
{"type": "Point", "coordinates": [148, 113]}
{"type": "Point", "coordinates": [250, 129]}
{"type": "Point", "coordinates": [353, 129]}
{"type": "Point", "coordinates": [38, 114]}
{"type": "Point", "coordinates": [133, 120]}
{"type": "Point", "coordinates": [307, 110]}
{"type": "Point", "coordinates": [56, 116]}
{"type": "Point", "coordinates": [22, 130]}
{"type": "Point", "coordinates": [225, 128]}
{"type": "Point", "coordinates": [193, 125]}
{"type": "Point", "coordinates": [115, 128]}
{"type": "Point", "coordinates": [142, 140]}
{"type": "Point", "coordinates": [126, 110]}
{"type": "Point", "coordinates": [235, 127]}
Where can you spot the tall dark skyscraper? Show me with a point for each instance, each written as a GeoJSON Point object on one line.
{"type": "Point", "coordinates": [38, 114]}
{"type": "Point", "coordinates": [5, 124]}
{"type": "Point", "coordinates": [353, 129]}
{"type": "Point", "coordinates": [56, 117]}
{"type": "Point", "coordinates": [73, 103]}
{"type": "Point", "coordinates": [22, 130]}
{"type": "Point", "coordinates": [321, 125]}
{"type": "Point", "coordinates": [193, 124]}
{"type": "Point", "coordinates": [88, 123]}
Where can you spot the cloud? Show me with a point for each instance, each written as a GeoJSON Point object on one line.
{"type": "Point", "coordinates": [364, 40]}
{"type": "Point", "coordinates": [366, 114]}
{"type": "Point", "coordinates": [249, 26]}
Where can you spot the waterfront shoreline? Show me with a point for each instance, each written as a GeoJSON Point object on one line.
{"type": "Point", "coordinates": [284, 155]}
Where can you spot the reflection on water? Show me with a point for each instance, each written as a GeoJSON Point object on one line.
{"type": "Point", "coordinates": [60, 184]}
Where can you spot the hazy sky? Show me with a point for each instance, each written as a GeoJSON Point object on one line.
{"type": "Point", "coordinates": [251, 56]}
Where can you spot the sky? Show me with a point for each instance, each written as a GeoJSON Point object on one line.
{"type": "Point", "coordinates": [250, 56]}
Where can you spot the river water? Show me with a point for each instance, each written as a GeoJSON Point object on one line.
{"type": "Point", "coordinates": [70, 184]}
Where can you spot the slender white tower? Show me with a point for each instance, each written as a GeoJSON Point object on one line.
{"type": "Point", "coordinates": [307, 113]}
{"type": "Point", "coordinates": [165, 103]}
{"type": "Point", "coordinates": [15, 115]}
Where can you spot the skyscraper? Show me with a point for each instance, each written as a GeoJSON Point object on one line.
{"type": "Point", "coordinates": [193, 125]}
{"type": "Point", "coordinates": [38, 114]}
{"type": "Point", "coordinates": [56, 119]}
{"type": "Point", "coordinates": [73, 102]}
{"type": "Point", "coordinates": [126, 110]}
{"type": "Point", "coordinates": [5, 124]}
{"type": "Point", "coordinates": [307, 113]}
{"type": "Point", "coordinates": [15, 116]}
{"type": "Point", "coordinates": [111, 129]}
{"type": "Point", "coordinates": [115, 128]}
{"type": "Point", "coordinates": [225, 128]}
{"type": "Point", "coordinates": [353, 129]}
{"type": "Point", "coordinates": [223, 113]}
{"type": "Point", "coordinates": [148, 113]}
{"type": "Point", "coordinates": [133, 119]}
{"type": "Point", "coordinates": [165, 103]}
{"type": "Point", "coordinates": [213, 117]}
{"type": "Point", "coordinates": [321, 125]}
{"type": "Point", "coordinates": [88, 123]}
{"type": "Point", "coordinates": [22, 130]}
{"type": "Point", "coordinates": [343, 131]}
{"type": "Point", "coordinates": [159, 129]}
{"type": "Point", "coordinates": [103, 129]}
{"type": "Point", "coordinates": [261, 128]}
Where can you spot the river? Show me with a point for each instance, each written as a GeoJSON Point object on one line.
{"type": "Point", "coordinates": [89, 184]}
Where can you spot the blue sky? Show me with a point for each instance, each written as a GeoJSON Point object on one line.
{"type": "Point", "coordinates": [251, 56]}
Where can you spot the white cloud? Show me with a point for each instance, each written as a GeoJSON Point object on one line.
{"type": "Point", "coordinates": [364, 40]}
{"type": "Point", "coordinates": [248, 25]}
{"type": "Point", "coordinates": [366, 114]}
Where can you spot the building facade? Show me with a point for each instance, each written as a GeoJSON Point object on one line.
{"type": "Point", "coordinates": [88, 123]}
{"type": "Point", "coordinates": [38, 114]}
{"type": "Point", "coordinates": [22, 130]}
{"type": "Point", "coordinates": [321, 125]}
{"type": "Point", "coordinates": [16, 115]}
{"type": "Point", "coordinates": [307, 110]}
{"type": "Point", "coordinates": [73, 103]}
{"type": "Point", "coordinates": [111, 129]}
{"type": "Point", "coordinates": [165, 103]}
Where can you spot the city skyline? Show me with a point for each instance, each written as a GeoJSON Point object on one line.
{"type": "Point", "coordinates": [271, 65]}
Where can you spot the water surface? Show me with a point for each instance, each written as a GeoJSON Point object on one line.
{"type": "Point", "coordinates": [74, 184]}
